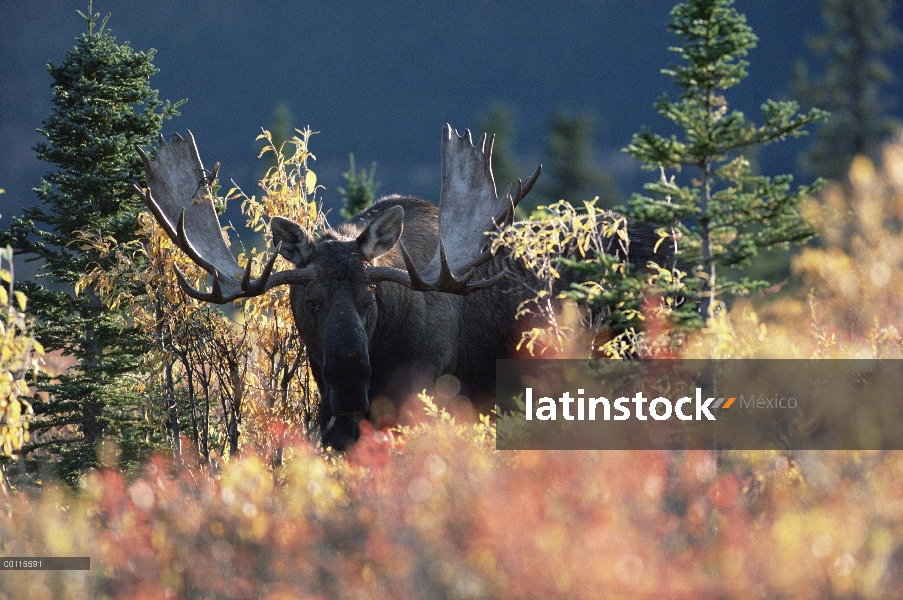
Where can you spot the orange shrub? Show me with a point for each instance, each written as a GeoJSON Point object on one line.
{"type": "Point", "coordinates": [432, 512]}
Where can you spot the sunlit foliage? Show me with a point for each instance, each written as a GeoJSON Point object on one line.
{"type": "Point", "coordinates": [219, 381]}
{"type": "Point", "coordinates": [430, 509]}
{"type": "Point", "coordinates": [19, 355]}
{"type": "Point", "coordinates": [278, 376]}
{"type": "Point", "coordinates": [856, 276]}
{"type": "Point", "coordinates": [591, 299]}
{"type": "Point", "coordinates": [432, 513]}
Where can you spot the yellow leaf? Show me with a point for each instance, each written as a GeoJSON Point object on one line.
{"type": "Point", "coordinates": [310, 182]}
{"type": "Point", "coordinates": [21, 299]}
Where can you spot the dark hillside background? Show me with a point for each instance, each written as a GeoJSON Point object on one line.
{"type": "Point", "coordinates": [380, 79]}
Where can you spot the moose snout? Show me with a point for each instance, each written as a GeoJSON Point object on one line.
{"type": "Point", "coordinates": [347, 363]}
{"type": "Point", "coordinates": [346, 369]}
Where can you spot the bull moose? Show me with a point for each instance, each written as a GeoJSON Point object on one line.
{"type": "Point", "coordinates": [385, 303]}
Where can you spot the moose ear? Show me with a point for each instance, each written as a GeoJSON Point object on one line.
{"type": "Point", "coordinates": [296, 242]}
{"type": "Point", "coordinates": [381, 234]}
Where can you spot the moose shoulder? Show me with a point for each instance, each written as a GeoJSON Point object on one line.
{"type": "Point", "coordinates": [386, 303]}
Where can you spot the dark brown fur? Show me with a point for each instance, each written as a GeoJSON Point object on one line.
{"type": "Point", "coordinates": [387, 338]}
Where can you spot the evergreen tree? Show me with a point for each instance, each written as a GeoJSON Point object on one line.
{"type": "Point", "coordinates": [103, 106]}
{"type": "Point", "coordinates": [570, 172]}
{"type": "Point", "coordinates": [724, 214]}
{"type": "Point", "coordinates": [858, 35]}
{"type": "Point", "coordinates": [361, 189]}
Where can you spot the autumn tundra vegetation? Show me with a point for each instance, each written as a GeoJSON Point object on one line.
{"type": "Point", "coordinates": [181, 450]}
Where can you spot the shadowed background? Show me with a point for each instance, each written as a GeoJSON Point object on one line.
{"type": "Point", "coordinates": [380, 79]}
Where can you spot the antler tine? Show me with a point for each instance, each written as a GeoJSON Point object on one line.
{"type": "Point", "coordinates": [144, 158]}
{"type": "Point", "coordinates": [178, 195]}
{"type": "Point", "coordinates": [446, 282]}
{"type": "Point", "coordinates": [414, 279]}
{"type": "Point", "coordinates": [468, 287]}
{"type": "Point", "coordinates": [506, 217]}
{"type": "Point", "coordinates": [468, 207]}
{"type": "Point", "coordinates": [246, 276]}
{"type": "Point", "coordinates": [523, 188]}
{"type": "Point", "coordinates": [463, 285]}
{"type": "Point", "coordinates": [268, 267]}
{"type": "Point", "coordinates": [446, 277]}
{"type": "Point", "coordinates": [482, 142]}
{"type": "Point", "coordinates": [259, 285]}
{"type": "Point", "coordinates": [215, 295]}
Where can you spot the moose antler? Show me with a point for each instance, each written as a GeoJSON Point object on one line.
{"type": "Point", "coordinates": [180, 199]}
{"type": "Point", "coordinates": [468, 208]}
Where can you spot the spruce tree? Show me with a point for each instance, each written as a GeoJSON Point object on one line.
{"type": "Point", "coordinates": [858, 35]}
{"type": "Point", "coordinates": [103, 106]}
{"type": "Point", "coordinates": [571, 173]}
{"type": "Point", "coordinates": [361, 189]}
{"type": "Point", "coordinates": [723, 212]}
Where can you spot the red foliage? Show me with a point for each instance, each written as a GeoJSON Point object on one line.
{"type": "Point", "coordinates": [444, 518]}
